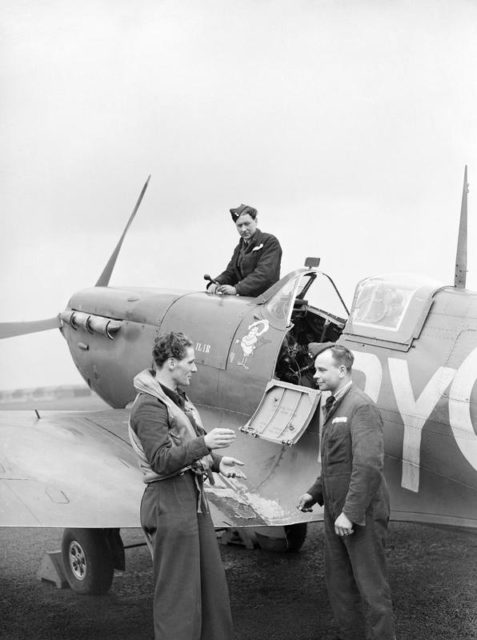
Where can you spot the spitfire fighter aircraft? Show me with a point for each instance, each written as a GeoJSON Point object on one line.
{"type": "Point", "coordinates": [415, 347]}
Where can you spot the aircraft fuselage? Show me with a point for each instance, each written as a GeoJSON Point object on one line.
{"type": "Point", "coordinates": [422, 379]}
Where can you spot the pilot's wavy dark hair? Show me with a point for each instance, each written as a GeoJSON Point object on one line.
{"type": "Point", "coordinates": [342, 356]}
{"type": "Point", "coordinates": [170, 345]}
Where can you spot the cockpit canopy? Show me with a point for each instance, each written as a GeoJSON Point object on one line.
{"type": "Point", "coordinates": [391, 308]}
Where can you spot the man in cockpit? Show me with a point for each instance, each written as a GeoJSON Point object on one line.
{"type": "Point", "coordinates": [255, 263]}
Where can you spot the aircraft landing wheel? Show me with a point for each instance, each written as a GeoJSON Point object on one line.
{"type": "Point", "coordinates": [87, 560]}
{"type": "Point", "coordinates": [289, 538]}
{"type": "Point", "coordinates": [295, 535]}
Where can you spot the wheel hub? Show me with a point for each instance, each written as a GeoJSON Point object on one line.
{"type": "Point", "coordinates": [77, 560]}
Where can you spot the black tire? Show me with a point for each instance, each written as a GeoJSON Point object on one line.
{"type": "Point", "coordinates": [295, 535]}
{"type": "Point", "coordinates": [87, 560]}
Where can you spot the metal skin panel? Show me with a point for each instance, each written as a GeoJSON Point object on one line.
{"type": "Point", "coordinates": [251, 362]}
{"type": "Point", "coordinates": [109, 366]}
{"type": "Point", "coordinates": [283, 414]}
{"type": "Point", "coordinates": [210, 321]}
{"type": "Point", "coordinates": [68, 470]}
{"type": "Point", "coordinates": [276, 475]}
{"type": "Point", "coordinates": [139, 305]}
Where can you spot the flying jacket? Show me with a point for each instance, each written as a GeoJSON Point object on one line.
{"type": "Point", "coordinates": [162, 435]}
{"type": "Point", "coordinates": [259, 268]}
{"type": "Point", "coordinates": [352, 457]}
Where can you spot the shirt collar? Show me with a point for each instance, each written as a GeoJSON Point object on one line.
{"type": "Point", "coordinates": [250, 240]}
{"type": "Point", "coordinates": [342, 390]}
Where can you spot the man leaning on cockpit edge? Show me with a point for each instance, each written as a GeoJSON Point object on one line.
{"type": "Point", "coordinates": [255, 263]}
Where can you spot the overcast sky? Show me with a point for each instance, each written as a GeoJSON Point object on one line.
{"type": "Point", "coordinates": [346, 123]}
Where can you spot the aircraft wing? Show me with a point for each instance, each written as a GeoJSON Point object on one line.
{"type": "Point", "coordinates": [68, 470]}
{"type": "Point", "coordinates": [77, 469]}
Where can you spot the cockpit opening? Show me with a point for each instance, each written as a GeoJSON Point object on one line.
{"type": "Point", "coordinates": [306, 323]}
{"type": "Point", "coordinates": [294, 364]}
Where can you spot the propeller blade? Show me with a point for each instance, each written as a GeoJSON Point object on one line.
{"type": "Point", "coordinates": [105, 277]}
{"type": "Point", "coordinates": [12, 329]}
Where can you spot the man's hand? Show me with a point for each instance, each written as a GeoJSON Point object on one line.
{"type": "Point", "coordinates": [219, 438]}
{"type": "Point", "coordinates": [305, 502]}
{"type": "Point", "coordinates": [227, 469]}
{"type": "Point", "coordinates": [343, 525]}
{"type": "Point", "coordinates": [212, 288]}
{"type": "Point", "coordinates": [226, 290]}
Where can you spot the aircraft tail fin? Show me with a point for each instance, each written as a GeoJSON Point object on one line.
{"type": "Point", "coordinates": [105, 277]}
{"type": "Point", "coordinates": [461, 257]}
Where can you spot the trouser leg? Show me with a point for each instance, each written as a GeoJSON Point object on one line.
{"type": "Point", "coordinates": [149, 543]}
{"type": "Point", "coordinates": [366, 548]}
{"type": "Point", "coordinates": [343, 592]}
{"type": "Point", "coordinates": [216, 614]}
{"type": "Point", "coordinates": [168, 515]}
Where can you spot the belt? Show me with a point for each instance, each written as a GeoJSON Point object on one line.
{"type": "Point", "coordinates": [199, 475]}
